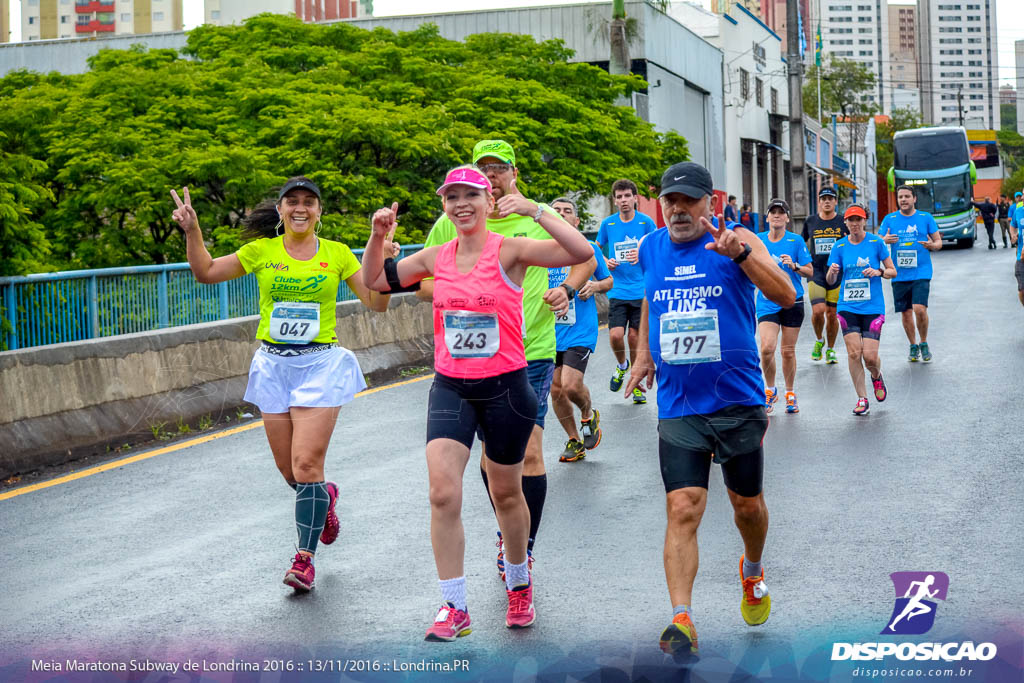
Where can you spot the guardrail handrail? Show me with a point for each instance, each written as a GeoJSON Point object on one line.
{"type": "Point", "coordinates": [51, 308]}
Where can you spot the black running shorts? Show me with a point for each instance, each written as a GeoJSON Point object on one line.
{"type": "Point", "coordinates": [575, 357]}
{"type": "Point", "coordinates": [786, 317]}
{"type": "Point", "coordinates": [624, 313]}
{"type": "Point", "coordinates": [732, 436]}
{"type": "Point", "coordinates": [908, 293]}
{"type": "Point", "coordinates": [503, 407]}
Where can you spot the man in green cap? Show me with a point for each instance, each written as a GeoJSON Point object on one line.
{"type": "Point", "coordinates": [516, 216]}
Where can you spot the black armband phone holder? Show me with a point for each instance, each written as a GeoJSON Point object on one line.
{"type": "Point", "coordinates": [391, 273]}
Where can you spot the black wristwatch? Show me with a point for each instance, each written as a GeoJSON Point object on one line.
{"type": "Point", "coordinates": [570, 290]}
{"type": "Point", "coordinates": [743, 256]}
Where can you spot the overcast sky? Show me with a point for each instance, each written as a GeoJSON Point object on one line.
{"type": "Point", "coordinates": [1010, 18]}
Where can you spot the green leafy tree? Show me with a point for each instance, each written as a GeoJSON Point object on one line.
{"type": "Point", "coordinates": [902, 118]}
{"type": "Point", "coordinates": [1011, 150]}
{"type": "Point", "coordinates": [845, 87]}
{"type": "Point", "coordinates": [371, 116]}
{"type": "Point", "coordinates": [1008, 116]}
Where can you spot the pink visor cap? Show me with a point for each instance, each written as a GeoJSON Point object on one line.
{"type": "Point", "coordinates": [465, 176]}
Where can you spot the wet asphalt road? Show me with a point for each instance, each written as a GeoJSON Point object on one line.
{"type": "Point", "coordinates": [182, 555]}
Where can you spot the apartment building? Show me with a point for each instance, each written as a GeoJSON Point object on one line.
{"type": "Point", "coordinates": [902, 83]}
{"type": "Point", "coordinates": [5, 21]}
{"type": "Point", "coordinates": [958, 62]}
{"type": "Point", "coordinates": [859, 30]}
{"type": "Point", "coordinates": [224, 12]}
{"type": "Point", "coordinates": [52, 19]}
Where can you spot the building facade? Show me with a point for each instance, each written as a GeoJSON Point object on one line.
{"type": "Point", "coordinates": [5, 21]}
{"type": "Point", "coordinates": [902, 84]}
{"type": "Point", "coordinates": [1019, 58]}
{"type": "Point", "coordinates": [224, 12]}
{"type": "Point", "coordinates": [54, 19]}
{"type": "Point", "coordinates": [859, 30]}
{"type": "Point", "coordinates": [958, 63]}
{"type": "Point", "coordinates": [755, 100]}
{"type": "Point", "coordinates": [684, 71]}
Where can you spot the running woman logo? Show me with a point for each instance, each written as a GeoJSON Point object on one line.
{"type": "Point", "coordinates": [916, 592]}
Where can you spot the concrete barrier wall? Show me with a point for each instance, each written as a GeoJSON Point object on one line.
{"type": "Point", "coordinates": [69, 400]}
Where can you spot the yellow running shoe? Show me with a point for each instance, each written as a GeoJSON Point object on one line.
{"type": "Point", "coordinates": [756, 604]}
{"type": "Point", "coordinates": [679, 638]}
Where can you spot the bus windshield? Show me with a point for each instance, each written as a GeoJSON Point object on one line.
{"type": "Point", "coordinates": [947, 149]}
{"type": "Point", "coordinates": [944, 196]}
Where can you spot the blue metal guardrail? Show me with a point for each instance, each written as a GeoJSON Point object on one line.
{"type": "Point", "coordinates": [51, 308]}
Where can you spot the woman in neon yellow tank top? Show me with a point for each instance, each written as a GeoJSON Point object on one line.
{"type": "Point", "coordinates": [299, 377]}
{"type": "Point", "coordinates": [480, 373]}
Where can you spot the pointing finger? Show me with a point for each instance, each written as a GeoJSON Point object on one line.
{"type": "Point", "coordinates": [188, 198]}
{"type": "Point", "coordinates": [176, 198]}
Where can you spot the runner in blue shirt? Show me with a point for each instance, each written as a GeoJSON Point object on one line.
{"type": "Point", "coordinates": [619, 236]}
{"type": "Point", "coordinates": [790, 253]}
{"type": "Point", "coordinates": [1017, 222]}
{"type": "Point", "coordinates": [858, 262]}
{"type": "Point", "coordinates": [697, 337]}
{"type": "Point", "coordinates": [575, 340]}
{"type": "Point", "coordinates": [912, 236]}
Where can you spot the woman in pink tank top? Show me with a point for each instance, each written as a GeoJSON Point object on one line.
{"type": "Point", "coordinates": [480, 379]}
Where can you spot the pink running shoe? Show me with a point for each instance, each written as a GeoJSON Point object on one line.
{"type": "Point", "coordinates": [300, 576]}
{"type": "Point", "coordinates": [520, 607]}
{"type": "Point", "coordinates": [331, 526]}
{"type": "Point", "coordinates": [879, 386]}
{"type": "Point", "coordinates": [449, 624]}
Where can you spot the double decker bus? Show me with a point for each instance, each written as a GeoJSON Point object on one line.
{"type": "Point", "coordinates": [937, 163]}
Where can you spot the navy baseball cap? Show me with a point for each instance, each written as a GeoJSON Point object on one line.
{"type": "Point", "coordinates": [299, 184]}
{"type": "Point", "coordinates": [828, 192]}
{"type": "Point", "coordinates": [686, 177]}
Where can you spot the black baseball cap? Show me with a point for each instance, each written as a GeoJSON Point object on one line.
{"type": "Point", "coordinates": [828, 192]}
{"type": "Point", "coordinates": [299, 184]}
{"type": "Point", "coordinates": [687, 177]}
{"type": "Point", "coordinates": [778, 204]}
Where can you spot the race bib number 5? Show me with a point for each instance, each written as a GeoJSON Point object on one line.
{"type": "Point", "coordinates": [294, 322]}
{"type": "Point", "coordinates": [624, 251]}
{"type": "Point", "coordinates": [471, 335]}
{"type": "Point", "coordinates": [857, 290]}
{"type": "Point", "coordinates": [690, 337]}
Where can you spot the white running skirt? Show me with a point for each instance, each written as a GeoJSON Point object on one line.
{"type": "Point", "coordinates": [317, 380]}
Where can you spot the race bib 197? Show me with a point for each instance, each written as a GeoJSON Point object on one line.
{"type": "Point", "coordinates": [294, 322]}
{"type": "Point", "coordinates": [690, 337]}
{"type": "Point", "coordinates": [471, 335]}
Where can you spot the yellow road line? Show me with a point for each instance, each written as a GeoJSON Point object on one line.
{"type": "Point", "coordinates": [114, 464]}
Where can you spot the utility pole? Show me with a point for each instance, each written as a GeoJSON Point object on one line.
{"type": "Point", "coordinates": [795, 72]}
{"type": "Point", "coordinates": [959, 105]}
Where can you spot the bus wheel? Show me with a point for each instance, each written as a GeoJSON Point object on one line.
{"type": "Point", "coordinates": [965, 244]}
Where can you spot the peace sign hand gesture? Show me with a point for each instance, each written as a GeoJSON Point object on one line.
{"type": "Point", "coordinates": [727, 242]}
{"type": "Point", "coordinates": [185, 215]}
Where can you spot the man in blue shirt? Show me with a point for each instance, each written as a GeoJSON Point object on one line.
{"type": "Point", "coordinates": [575, 340]}
{"type": "Point", "coordinates": [731, 213]}
{"type": "Point", "coordinates": [619, 236]}
{"type": "Point", "coordinates": [697, 337]}
{"type": "Point", "coordinates": [912, 235]}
